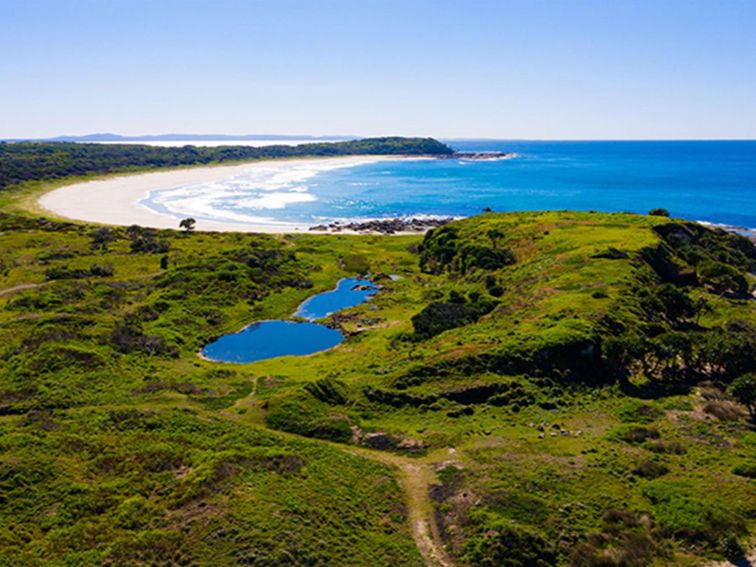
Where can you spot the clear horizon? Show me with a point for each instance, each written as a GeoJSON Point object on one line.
{"type": "Point", "coordinates": [198, 136]}
{"type": "Point", "coordinates": [511, 70]}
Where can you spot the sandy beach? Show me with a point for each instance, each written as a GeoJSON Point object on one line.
{"type": "Point", "coordinates": [116, 200]}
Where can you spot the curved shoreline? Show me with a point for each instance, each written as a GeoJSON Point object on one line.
{"type": "Point", "coordinates": [117, 200]}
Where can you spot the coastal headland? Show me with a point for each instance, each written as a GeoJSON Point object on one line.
{"type": "Point", "coordinates": [524, 388]}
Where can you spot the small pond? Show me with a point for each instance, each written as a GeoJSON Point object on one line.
{"type": "Point", "coordinates": [349, 292]}
{"type": "Point", "coordinates": [270, 339]}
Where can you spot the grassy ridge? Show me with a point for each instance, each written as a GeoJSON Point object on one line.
{"type": "Point", "coordinates": [575, 413]}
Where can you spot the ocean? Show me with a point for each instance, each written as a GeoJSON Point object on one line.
{"type": "Point", "coordinates": [711, 181]}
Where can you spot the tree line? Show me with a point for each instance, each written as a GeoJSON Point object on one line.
{"type": "Point", "coordinates": [37, 161]}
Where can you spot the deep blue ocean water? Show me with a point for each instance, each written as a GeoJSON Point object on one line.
{"type": "Point", "coordinates": [709, 181]}
{"type": "Point", "coordinates": [706, 181]}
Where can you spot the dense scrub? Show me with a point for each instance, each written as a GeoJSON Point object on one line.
{"type": "Point", "coordinates": [540, 391]}
{"type": "Point", "coordinates": [457, 311]}
{"type": "Point", "coordinates": [443, 250]}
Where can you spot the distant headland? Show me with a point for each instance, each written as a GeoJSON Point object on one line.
{"type": "Point", "coordinates": [116, 138]}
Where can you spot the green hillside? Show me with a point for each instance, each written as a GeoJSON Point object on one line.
{"type": "Point", "coordinates": [526, 389]}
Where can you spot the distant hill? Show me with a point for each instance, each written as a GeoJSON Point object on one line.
{"type": "Point", "coordinates": [110, 137]}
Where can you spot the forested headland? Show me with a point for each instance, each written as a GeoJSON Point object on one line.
{"type": "Point", "coordinates": [36, 161]}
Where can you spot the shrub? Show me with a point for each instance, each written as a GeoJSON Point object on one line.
{"type": "Point", "coordinates": [659, 212]}
{"type": "Point", "coordinates": [747, 469]}
{"type": "Point", "coordinates": [668, 301]}
{"type": "Point", "coordinates": [638, 412]}
{"type": "Point", "coordinates": [56, 357]}
{"type": "Point", "coordinates": [637, 434]}
{"type": "Point", "coordinates": [101, 237]}
{"type": "Point", "coordinates": [439, 317]}
{"type": "Point", "coordinates": [496, 291]}
{"type": "Point", "coordinates": [730, 351]}
{"type": "Point", "coordinates": [65, 273]}
{"type": "Point", "coordinates": [443, 249]}
{"type": "Point", "coordinates": [133, 513]}
{"type": "Point", "coordinates": [438, 249]}
{"type": "Point", "coordinates": [620, 352]}
{"type": "Point", "coordinates": [723, 409]}
{"type": "Point", "coordinates": [471, 257]}
{"type": "Point", "coordinates": [743, 390]}
{"type": "Point", "coordinates": [650, 469]}
{"type": "Point", "coordinates": [513, 395]}
{"type": "Point", "coordinates": [612, 253]}
{"type": "Point", "coordinates": [723, 278]}
{"type": "Point", "coordinates": [668, 447]}
{"type": "Point", "coordinates": [625, 540]}
{"type": "Point", "coordinates": [328, 390]}
{"type": "Point", "coordinates": [307, 417]}
{"type": "Point", "coordinates": [690, 515]}
{"type": "Point", "coordinates": [356, 264]}
{"type": "Point", "coordinates": [101, 270]}
{"type": "Point", "coordinates": [460, 411]}
{"type": "Point", "coordinates": [149, 244]}
{"type": "Point", "coordinates": [507, 544]}
{"type": "Point", "coordinates": [127, 339]}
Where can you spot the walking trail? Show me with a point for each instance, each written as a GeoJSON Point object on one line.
{"type": "Point", "coordinates": [416, 476]}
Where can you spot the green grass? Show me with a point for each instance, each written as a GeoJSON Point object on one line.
{"type": "Point", "coordinates": [121, 446]}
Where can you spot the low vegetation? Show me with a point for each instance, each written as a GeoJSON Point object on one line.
{"type": "Point", "coordinates": [579, 385]}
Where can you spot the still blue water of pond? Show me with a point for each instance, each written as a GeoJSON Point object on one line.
{"type": "Point", "coordinates": [349, 292]}
{"type": "Point", "coordinates": [270, 339]}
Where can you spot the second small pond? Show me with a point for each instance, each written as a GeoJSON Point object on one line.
{"type": "Point", "coordinates": [271, 339]}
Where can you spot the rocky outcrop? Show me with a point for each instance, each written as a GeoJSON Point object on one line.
{"type": "Point", "coordinates": [384, 226]}
{"type": "Point", "coordinates": [386, 442]}
{"type": "Point", "coordinates": [479, 156]}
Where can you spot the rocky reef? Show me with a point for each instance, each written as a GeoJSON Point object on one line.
{"type": "Point", "coordinates": [385, 226]}
{"type": "Point", "coordinates": [479, 156]}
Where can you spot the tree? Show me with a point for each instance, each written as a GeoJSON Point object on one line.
{"type": "Point", "coordinates": [187, 224]}
{"type": "Point", "coordinates": [743, 389]}
{"type": "Point", "coordinates": [659, 212]}
{"type": "Point", "coordinates": [668, 301]}
{"type": "Point", "coordinates": [722, 278]}
{"type": "Point", "coordinates": [101, 237]}
{"type": "Point", "coordinates": [495, 235]}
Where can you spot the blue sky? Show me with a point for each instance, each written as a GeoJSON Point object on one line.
{"type": "Point", "coordinates": [549, 69]}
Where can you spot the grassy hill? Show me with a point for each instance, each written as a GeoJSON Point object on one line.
{"type": "Point", "coordinates": [537, 388]}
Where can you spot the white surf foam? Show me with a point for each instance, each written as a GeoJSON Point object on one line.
{"type": "Point", "coordinates": [272, 187]}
